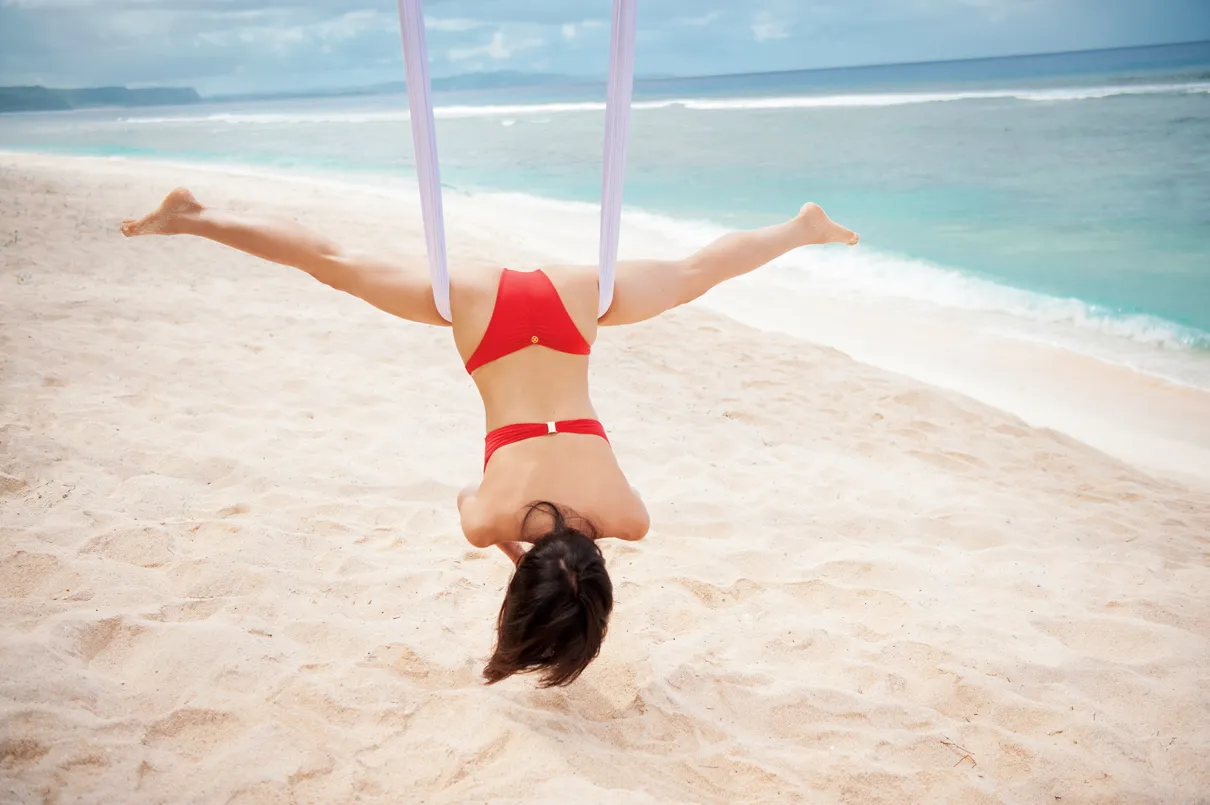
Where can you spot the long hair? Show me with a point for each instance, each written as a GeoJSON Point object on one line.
{"type": "Point", "coordinates": [556, 609]}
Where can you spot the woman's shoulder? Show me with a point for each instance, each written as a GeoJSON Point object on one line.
{"type": "Point", "coordinates": [479, 276]}
{"type": "Point", "coordinates": [577, 478]}
{"type": "Point", "coordinates": [577, 286]}
{"type": "Point", "coordinates": [585, 276]}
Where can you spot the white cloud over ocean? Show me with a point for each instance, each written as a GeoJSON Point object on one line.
{"type": "Point", "coordinates": [251, 45]}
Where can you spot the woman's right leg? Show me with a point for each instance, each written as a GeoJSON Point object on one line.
{"type": "Point", "coordinates": [399, 289]}
{"type": "Point", "coordinates": [278, 240]}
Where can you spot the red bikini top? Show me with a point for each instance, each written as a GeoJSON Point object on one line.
{"type": "Point", "coordinates": [528, 311]}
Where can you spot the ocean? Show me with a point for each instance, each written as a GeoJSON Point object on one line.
{"type": "Point", "coordinates": [1064, 198]}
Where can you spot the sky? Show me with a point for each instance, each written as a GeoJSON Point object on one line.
{"type": "Point", "coordinates": [227, 46]}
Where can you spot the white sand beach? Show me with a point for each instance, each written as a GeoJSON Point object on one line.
{"type": "Point", "coordinates": [231, 569]}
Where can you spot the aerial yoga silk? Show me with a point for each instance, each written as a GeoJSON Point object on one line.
{"type": "Point", "coordinates": [424, 138]}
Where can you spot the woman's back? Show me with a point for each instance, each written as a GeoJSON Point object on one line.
{"type": "Point", "coordinates": [534, 384]}
{"type": "Point", "coordinates": [540, 384]}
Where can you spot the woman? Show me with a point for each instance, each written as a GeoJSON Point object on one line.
{"type": "Point", "coordinates": [525, 339]}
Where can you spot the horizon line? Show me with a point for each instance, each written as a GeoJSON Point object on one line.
{"type": "Point", "coordinates": [918, 63]}
{"type": "Point", "coordinates": [638, 78]}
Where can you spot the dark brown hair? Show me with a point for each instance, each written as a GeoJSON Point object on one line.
{"type": "Point", "coordinates": [556, 609]}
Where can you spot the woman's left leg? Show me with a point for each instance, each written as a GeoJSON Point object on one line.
{"type": "Point", "coordinates": [643, 289]}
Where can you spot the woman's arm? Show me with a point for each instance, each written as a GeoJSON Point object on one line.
{"type": "Point", "coordinates": [403, 290]}
{"type": "Point", "coordinates": [476, 531]}
{"type": "Point", "coordinates": [643, 289]}
{"type": "Point", "coordinates": [513, 550]}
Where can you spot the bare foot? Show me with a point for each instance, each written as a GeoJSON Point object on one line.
{"type": "Point", "coordinates": [819, 228]}
{"type": "Point", "coordinates": [167, 218]}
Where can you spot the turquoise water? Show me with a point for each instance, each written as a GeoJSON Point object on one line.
{"type": "Point", "coordinates": [1083, 177]}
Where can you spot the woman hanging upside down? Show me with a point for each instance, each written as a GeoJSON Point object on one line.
{"type": "Point", "coordinates": [524, 337]}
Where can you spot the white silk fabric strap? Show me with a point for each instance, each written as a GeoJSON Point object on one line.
{"type": "Point", "coordinates": [617, 126]}
{"type": "Point", "coordinates": [424, 139]}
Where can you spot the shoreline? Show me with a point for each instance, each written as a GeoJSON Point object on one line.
{"type": "Point", "coordinates": [1151, 332]}
{"type": "Point", "coordinates": [1155, 422]}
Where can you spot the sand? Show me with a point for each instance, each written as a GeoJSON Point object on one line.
{"type": "Point", "coordinates": [231, 570]}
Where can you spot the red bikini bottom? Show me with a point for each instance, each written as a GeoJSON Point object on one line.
{"type": "Point", "coordinates": [510, 434]}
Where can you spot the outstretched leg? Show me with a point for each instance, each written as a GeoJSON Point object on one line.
{"type": "Point", "coordinates": [644, 289]}
{"type": "Point", "coordinates": [401, 290]}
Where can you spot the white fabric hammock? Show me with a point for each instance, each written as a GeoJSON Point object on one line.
{"type": "Point", "coordinates": [424, 139]}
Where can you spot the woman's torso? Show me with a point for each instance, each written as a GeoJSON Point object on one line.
{"type": "Point", "coordinates": [537, 384]}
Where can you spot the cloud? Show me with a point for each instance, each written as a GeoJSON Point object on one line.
{"type": "Point", "coordinates": [354, 24]}
{"type": "Point", "coordinates": [324, 33]}
{"type": "Point", "coordinates": [997, 11]}
{"type": "Point", "coordinates": [499, 48]}
{"type": "Point", "coordinates": [702, 21]}
{"type": "Point", "coordinates": [254, 45]}
{"type": "Point", "coordinates": [571, 30]}
{"type": "Point", "coordinates": [228, 46]}
{"type": "Point", "coordinates": [765, 27]}
{"type": "Point", "coordinates": [454, 25]}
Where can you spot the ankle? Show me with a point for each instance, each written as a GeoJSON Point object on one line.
{"type": "Point", "coordinates": [801, 231]}
{"type": "Point", "coordinates": [185, 222]}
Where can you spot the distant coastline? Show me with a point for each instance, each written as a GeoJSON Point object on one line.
{"type": "Point", "coordinates": [45, 99]}
{"type": "Point", "coordinates": [500, 79]}
{"type": "Point", "coordinates": [1187, 60]}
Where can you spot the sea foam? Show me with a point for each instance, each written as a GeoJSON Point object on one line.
{"type": "Point", "coordinates": [1065, 94]}
{"type": "Point", "coordinates": [861, 273]}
